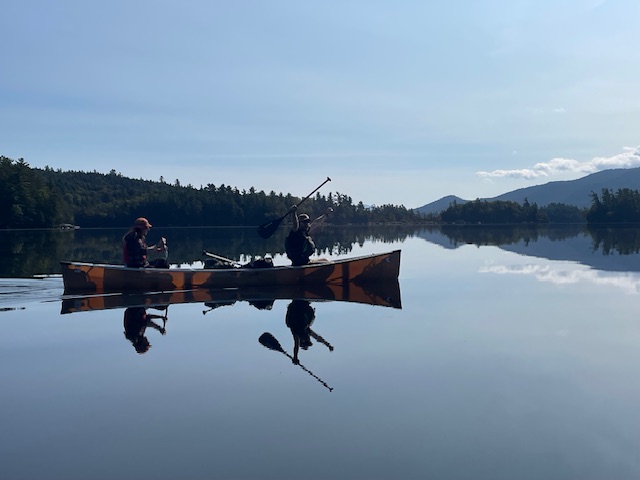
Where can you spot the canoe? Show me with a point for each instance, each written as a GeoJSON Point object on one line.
{"type": "Point", "coordinates": [384, 294]}
{"type": "Point", "coordinates": [95, 277]}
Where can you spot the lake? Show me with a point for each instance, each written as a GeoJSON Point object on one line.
{"type": "Point", "coordinates": [514, 355]}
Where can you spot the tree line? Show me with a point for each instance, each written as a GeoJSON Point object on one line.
{"type": "Point", "coordinates": [621, 206]}
{"type": "Point", "coordinates": [507, 212]}
{"type": "Point", "coordinates": [43, 198]}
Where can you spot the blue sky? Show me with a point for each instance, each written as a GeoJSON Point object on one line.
{"type": "Point", "coordinates": [398, 102]}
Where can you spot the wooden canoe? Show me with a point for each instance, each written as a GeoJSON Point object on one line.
{"type": "Point", "coordinates": [94, 277]}
{"type": "Point", "coordinates": [385, 294]}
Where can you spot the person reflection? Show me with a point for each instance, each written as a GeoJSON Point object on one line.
{"type": "Point", "coordinates": [136, 321]}
{"type": "Point", "coordinates": [300, 316]}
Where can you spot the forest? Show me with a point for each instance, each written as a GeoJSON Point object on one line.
{"type": "Point", "coordinates": [621, 206]}
{"type": "Point", "coordinates": [45, 198]}
{"type": "Point", "coordinates": [507, 212]}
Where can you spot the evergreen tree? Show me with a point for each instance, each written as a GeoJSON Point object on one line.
{"type": "Point", "coordinates": [31, 198]}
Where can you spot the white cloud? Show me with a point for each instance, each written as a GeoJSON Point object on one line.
{"type": "Point", "coordinates": [628, 159]}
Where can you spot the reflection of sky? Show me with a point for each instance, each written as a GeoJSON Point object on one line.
{"type": "Point", "coordinates": [629, 282]}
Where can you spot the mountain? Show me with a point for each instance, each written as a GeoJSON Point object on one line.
{"type": "Point", "coordinates": [440, 205]}
{"type": "Point", "coordinates": [570, 192]}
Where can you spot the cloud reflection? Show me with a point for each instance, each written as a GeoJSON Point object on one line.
{"type": "Point", "coordinates": [629, 282]}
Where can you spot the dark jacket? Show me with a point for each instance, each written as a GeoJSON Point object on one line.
{"type": "Point", "coordinates": [134, 250]}
{"type": "Point", "coordinates": [299, 247]}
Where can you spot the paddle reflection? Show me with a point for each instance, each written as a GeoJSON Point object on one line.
{"type": "Point", "coordinates": [299, 318]}
{"type": "Point", "coordinates": [269, 341]}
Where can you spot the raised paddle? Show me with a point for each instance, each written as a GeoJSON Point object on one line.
{"type": "Point", "coordinates": [271, 342]}
{"type": "Point", "coordinates": [267, 229]}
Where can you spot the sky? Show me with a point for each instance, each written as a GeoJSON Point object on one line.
{"type": "Point", "coordinates": [398, 102]}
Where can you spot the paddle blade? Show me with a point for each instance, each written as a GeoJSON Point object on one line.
{"type": "Point", "coordinates": [269, 341]}
{"type": "Point", "coordinates": [267, 229]}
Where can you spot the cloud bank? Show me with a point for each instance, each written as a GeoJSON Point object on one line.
{"type": "Point", "coordinates": [629, 158]}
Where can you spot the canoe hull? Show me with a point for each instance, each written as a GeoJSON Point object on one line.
{"type": "Point", "coordinates": [91, 277]}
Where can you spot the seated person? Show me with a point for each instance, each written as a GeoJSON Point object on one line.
{"type": "Point", "coordinates": [135, 249]}
{"type": "Point", "coordinates": [299, 245]}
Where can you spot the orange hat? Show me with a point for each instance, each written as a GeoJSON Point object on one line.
{"type": "Point", "coordinates": [142, 222]}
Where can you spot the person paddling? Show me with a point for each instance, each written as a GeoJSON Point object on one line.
{"type": "Point", "coordinates": [135, 249]}
{"type": "Point", "coordinates": [299, 246]}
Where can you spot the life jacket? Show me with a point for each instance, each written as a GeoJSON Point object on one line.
{"type": "Point", "coordinates": [299, 247]}
{"type": "Point", "coordinates": [134, 250]}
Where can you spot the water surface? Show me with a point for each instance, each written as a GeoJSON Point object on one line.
{"type": "Point", "coordinates": [513, 356]}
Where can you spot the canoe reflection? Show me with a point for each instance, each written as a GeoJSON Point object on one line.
{"type": "Point", "coordinates": [385, 294]}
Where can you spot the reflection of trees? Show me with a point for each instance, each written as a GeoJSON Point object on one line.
{"type": "Point", "coordinates": [26, 253]}
{"type": "Point", "coordinates": [504, 234]}
{"type": "Point", "coordinates": [623, 241]}
{"type": "Point", "coordinates": [609, 240]}
{"type": "Point", "coordinates": [341, 240]}
{"type": "Point", "coordinates": [31, 252]}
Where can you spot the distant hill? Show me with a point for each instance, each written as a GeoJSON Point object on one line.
{"type": "Point", "coordinates": [440, 205]}
{"type": "Point", "coordinates": [570, 192]}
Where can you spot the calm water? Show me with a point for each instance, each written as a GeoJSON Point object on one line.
{"type": "Point", "coordinates": [515, 355]}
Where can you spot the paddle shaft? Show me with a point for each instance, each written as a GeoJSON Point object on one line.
{"type": "Point", "coordinates": [267, 229]}
{"type": "Point", "coordinates": [317, 188]}
{"type": "Point", "coordinates": [218, 257]}
{"type": "Point", "coordinates": [318, 222]}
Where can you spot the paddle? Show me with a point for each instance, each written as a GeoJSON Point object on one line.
{"type": "Point", "coordinates": [267, 229]}
{"type": "Point", "coordinates": [269, 341]}
{"type": "Point", "coordinates": [161, 246]}
{"type": "Point", "coordinates": [321, 339]}
{"type": "Point", "coordinates": [222, 259]}
{"type": "Point", "coordinates": [318, 222]}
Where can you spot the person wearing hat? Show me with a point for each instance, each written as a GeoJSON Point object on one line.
{"type": "Point", "coordinates": [134, 245]}
{"type": "Point", "coordinates": [299, 246]}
